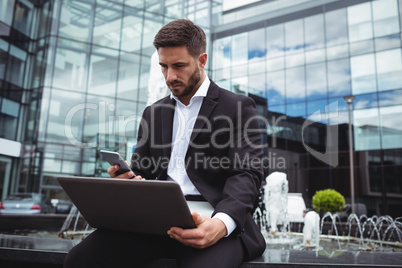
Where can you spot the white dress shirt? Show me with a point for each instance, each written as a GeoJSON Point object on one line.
{"type": "Point", "coordinates": [183, 125]}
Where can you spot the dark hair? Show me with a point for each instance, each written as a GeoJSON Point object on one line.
{"type": "Point", "coordinates": [182, 33]}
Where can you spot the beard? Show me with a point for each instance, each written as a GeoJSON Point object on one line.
{"type": "Point", "coordinates": [189, 86]}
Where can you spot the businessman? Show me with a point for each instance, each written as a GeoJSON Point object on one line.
{"type": "Point", "coordinates": [205, 138]}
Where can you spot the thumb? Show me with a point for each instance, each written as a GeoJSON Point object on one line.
{"type": "Point", "coordinates": [197, 218]}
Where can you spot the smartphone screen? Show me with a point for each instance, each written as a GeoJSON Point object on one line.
{"type": "Point", "coordinates": [115, 159]}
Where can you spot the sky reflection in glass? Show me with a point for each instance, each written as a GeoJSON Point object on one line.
{"type": "Point", "coordinates": [316, 60]}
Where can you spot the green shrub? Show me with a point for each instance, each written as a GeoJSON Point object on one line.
{"type": "Point", "coordinates": [328, 200]}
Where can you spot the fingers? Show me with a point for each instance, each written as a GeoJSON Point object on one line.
{"type": "Point", "coordinates": [208, 232]}
{"type": "Point", "coordinates": [197, 218]}
{"type": "Point", "coordinates": [196, 237]}
{"type": "Point", "coordinates": [128, 175]}
{"type": "Point", "coordinates": [139, 178]}
{"type": "Point", "coordinates": [188, 237]}
{"type": "Point", "coordinates": [190, 233]}
{"type": "Point", "coordinates": [112, 171]}
{"type": "Point", "coordinates": [185, 233]}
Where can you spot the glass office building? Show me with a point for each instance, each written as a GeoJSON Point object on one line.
{"type": "Point", "coordinates": [75, 74]}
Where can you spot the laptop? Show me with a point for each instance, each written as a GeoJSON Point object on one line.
{"type": "Point", "coordinates": [142, 206]}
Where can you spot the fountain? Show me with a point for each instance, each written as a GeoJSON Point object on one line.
{"type": "Point", "coordinates": [371, 233]}
{"type": "Point", "coordinates": [68, 232]}
{"type": "Point", "coordinates": [273, 216]}
{"type": "Point", "coordinates": [311, 230]}
{"type": "Point", "coordinates": [276, 201]}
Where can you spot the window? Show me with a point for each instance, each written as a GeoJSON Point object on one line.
{"type": "Point", "coordinates": [69, 70]}
{"type": "Point", "coordinates": [128, 81]}
{"type": "Point", "coordinates": [76, 19]}
{"type": "Point", "coordinates": [338, 74]}
{"type": "Point", "coordinates": [359, 22]}
{"type": "Point", "coordinates": [23, 16]}
{"type": "Point", "coordinates": [222, 53]}
{"type": "Point", "coordinates": [295, 85]}
{"type": "Point", "coordinates": [336, 32]}
{"type": "Point", "coordinates": [363, 74]}
{"type": "Point", "coordinates": [315, 81]}
{"type": "Point", "coordinates": [385, 17]}
{"type": "Point", "coordinates": [391, 127]}
{"type": "Point", "coordinates": [275, 88]}
{"type": "Point", "coordinates": [3, 58]}
{"type": "Point", "coordinates": [239, 49]}
{"type": "Point", "coordinates": [364, 101]}
{"type": "Point", "coordinates": [6, 11]}
{"type": "Point", "coordinates": [8, 118]}
{"type": "Point", "coordinates": [256, 44]}
{"type": "Point", "coordinates": [314, 32]}
{"type": "Point", "coordinates": [16, 66]}
{"type": "Point", "coordinates": [131, 30]}
{"type": "Point", "coordinates": [294, 37]}
{"type": "Point", "coordinates": [66, 114]}
{"type": "Point", "coordinates": [275, 41]}
{"type": "Point", "coordinates": [295, 46]}
{"type": "Point", "coordinates": [103, 72]}
{"type": "Point", "coordinates": [107, 25]}
{"type": "Point", "coordinates": [366, 129]}
{"type": "Point", "coordinates": [389, 69]}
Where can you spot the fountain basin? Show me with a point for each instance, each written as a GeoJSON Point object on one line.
{"type": "Point", "coordinates": [331, 244]}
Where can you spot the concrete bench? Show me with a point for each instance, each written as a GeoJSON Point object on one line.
{"type": "Point", "coordinates": [24, 251]}
{"type": "Point", "coordinates": [28, 251]}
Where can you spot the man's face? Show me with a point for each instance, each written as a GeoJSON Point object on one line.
{"type": "Point", "coordinates": [183, 73]}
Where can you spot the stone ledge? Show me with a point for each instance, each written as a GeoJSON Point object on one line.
{"type": "Point", "coordinates": [34, 252]}
{"type": "Point", "coordinates": [15, 258]}
{"type": "Point", "coordinates": [10, 257]}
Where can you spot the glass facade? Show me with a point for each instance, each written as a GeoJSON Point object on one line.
{"type": "Point", "coordinates": [23, 52]}
{"type": "Point", "coordinates": [304, 63]}
{"type": "Point", "coordinates": [74, 79]}
{"type": "Point", "coordinates": [99, 85]}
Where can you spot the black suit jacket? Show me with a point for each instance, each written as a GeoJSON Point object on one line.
{"type": "Point", "coordinates": [223, 159]}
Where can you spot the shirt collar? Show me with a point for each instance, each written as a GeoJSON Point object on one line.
{"type": "Point", "coordinates": [201, 92]}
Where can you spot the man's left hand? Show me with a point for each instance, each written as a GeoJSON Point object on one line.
{"type": "Point", "coordinates": [208, 232]}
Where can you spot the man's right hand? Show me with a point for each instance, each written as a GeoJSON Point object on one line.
{"type": "Point", "coordinates": [128, 175]}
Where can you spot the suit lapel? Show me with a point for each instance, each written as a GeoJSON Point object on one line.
{"type": "Point", "coordinates": [208, 105]}
{"type": "Point", "coordinates": [167, 114]}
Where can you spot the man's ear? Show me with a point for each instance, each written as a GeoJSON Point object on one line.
{"type": "Point", "coordinates": [202, 60]}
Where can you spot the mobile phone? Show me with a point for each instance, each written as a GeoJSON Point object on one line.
{"type": "Point", "coordinates": [115, 159]}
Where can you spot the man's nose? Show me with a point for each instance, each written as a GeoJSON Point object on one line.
{"type": "Point", "coordinates": [171, 75]}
